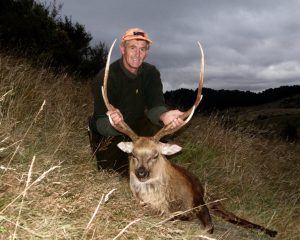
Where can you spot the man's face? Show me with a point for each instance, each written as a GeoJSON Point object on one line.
{"type": "Point", "coordinates": [134, 53]}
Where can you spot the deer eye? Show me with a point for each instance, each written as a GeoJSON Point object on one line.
{"type": "Point", "coordinates": [155, 157]}
{"type": "Point", "coordinates": [134, 158]}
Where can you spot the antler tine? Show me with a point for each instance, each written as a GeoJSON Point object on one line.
{"type": "Point", "coordinates": [186, 116]}
{"type": "Point", "coordinates": [122, 126]}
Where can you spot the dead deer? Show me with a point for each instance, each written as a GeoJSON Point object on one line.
{"type": "Point", "coordinates": [165, 186]}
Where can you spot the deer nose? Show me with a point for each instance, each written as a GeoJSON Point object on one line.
{"type": "Point", "coordinates": [141, 172]}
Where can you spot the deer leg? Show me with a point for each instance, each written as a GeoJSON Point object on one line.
{"type": "Point", "coordinates": [203, 215]}
{"type": "Point", "coordinates": [182, 217]}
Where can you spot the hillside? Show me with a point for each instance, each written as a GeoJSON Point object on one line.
{"type": "Point", "coordinates": [278, 120]}
{"type": "Point", "coordinates": [50, 188]}
{"type": "Point", "coordinates": [219, 100]}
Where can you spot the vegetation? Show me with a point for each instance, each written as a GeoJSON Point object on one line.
{"type": "Point", "coordinates": [274, 111]}
{"type": "Point", "coordinates": [224, 99]}
{"type": "Point", "coordinates": [37, 31]}
{"type": "Point", "coordinates": [277, 120]}
{"type": "Point", "coordinates": [50, 188]}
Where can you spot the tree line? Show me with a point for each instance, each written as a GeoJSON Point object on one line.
{"type": "Point", "coordinates": [224, 99]}
{"type": "Point", "coordinates": [37, 31]}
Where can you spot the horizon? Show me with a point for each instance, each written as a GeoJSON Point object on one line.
{"type": "Point", "coordinates": [291, 86]}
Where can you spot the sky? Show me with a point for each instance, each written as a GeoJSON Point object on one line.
{"type": "Point", "coordinates": [248, 45]}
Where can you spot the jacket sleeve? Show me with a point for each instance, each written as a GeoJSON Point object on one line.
{"type": "Point", "coordinates": [154, 96]}
{"type": "Point", "coordinates": [102, 123]}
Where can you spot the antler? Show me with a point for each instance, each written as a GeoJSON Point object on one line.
{"type": "Point", "coordinates": [166, 130]}
{"type": "Point", "coordinates": [122, 126]}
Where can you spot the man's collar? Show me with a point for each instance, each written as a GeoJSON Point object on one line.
{"type": "Point", "coordinates": [128, 73]}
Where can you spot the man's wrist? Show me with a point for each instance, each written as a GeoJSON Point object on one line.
{"type": "Point", "coordinates": [154, 114]}
{"type": "Point", "coordinates": [105, 128]}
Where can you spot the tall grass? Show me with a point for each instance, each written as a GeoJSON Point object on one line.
{"type": "Point", "coordinates": [50, 188]}
{"type": "Point", "coordinates": [259, 177]}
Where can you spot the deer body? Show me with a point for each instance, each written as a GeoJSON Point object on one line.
{"type": "Point", "coordinates": [165, 186]}
{"type": "Point", "coordinates": [167, 192]}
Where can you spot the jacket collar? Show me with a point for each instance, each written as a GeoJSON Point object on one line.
{"type": "Point", "coordinates": [127, 73]}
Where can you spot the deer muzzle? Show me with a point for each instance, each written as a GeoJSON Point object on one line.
{"type": "Point", "coordinates": [142, 173]}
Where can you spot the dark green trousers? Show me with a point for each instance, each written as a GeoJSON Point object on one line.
{"type": "Point", "coordinates": [107, 153]}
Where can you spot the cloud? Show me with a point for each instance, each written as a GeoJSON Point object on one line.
{"type": "Point", "coordinates": [281, 71]}
{"type": "Point", "coordinates": [249, 45]}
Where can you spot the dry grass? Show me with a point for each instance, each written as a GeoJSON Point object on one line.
{"type": "Point", "coordinates": [259, 177]}
{"type": "Point", "coordinates": [50, 188]}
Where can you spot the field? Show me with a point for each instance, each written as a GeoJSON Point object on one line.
{"type": "Point", "coordinates": [50, 187]}
{"type": "Point", "coordinates": [279, 119]}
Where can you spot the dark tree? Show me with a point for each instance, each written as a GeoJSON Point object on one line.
{"type": "Point", "coordinates": [224, 99]}
{"type": "Point", "coordinates": [35, 30]}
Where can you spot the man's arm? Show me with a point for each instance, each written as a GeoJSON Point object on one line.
{"type": "Point", "coordinates": [154, 97]}
{"type": "Point", "coordinates": [158, 111]}
{"type": "Point", "coordinates": [100, 111]}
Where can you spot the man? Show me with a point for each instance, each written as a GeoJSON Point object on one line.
{"type": "Point", "coordinates": [135, 91]}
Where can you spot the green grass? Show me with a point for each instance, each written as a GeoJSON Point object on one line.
{"type": "Point", "coordinates": [196, 157]}
{"type": "Point", "coordinates": [256, 175]}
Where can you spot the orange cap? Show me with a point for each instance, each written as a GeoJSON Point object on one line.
{"type": "Point", "coordinates": [136, 33]}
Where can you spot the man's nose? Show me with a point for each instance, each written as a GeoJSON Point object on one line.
{"type": "Point", "coordinates": [137, 53]}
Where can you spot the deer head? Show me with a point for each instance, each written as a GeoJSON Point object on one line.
{"type": "Point", "coordinates": [148, 151]}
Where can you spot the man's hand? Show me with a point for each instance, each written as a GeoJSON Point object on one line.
{"type": "Point", "coordinates": [172, 117]}
{"type": "Point", "coordinates": [115, 116]}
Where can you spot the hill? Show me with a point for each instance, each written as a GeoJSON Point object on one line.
{"type": "Point", "coordinates": [279, 119]}
{"type": "Point", "coordinates": [225, 99]}
{"type": "Point", "coordinates": [50, 188]}
{"type": "Point", "coordinates": [275, 112]}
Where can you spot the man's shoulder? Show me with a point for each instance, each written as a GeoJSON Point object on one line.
{"type": "Point", "coordinates": [115, 65]}
{"type": "Point", "coordinates": [147, 67]}
{"type": "Point", "coordinates": [113, 68]}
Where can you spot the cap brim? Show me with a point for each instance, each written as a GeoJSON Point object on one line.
{"type": "Point", "coordinates": [136, 38]}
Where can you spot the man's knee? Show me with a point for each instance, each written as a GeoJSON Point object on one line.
{"type": "Point", "coordinates": [107, 153]}
{"type": "Point", "coordinates": [94, 137]}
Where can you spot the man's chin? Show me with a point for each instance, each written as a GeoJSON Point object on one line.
{"type": "Point", "coordinates": [135, 64]}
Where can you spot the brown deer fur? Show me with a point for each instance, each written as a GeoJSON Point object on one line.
{"type": "Point", "coordinates": [168, 188]}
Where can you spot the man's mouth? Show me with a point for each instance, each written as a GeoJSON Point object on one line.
{"type": "Point", "coordinates": [135, 60]}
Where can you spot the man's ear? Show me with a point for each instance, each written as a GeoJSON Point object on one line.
{"type": "Point", "coordinates": [126, 146]}
{"type": "Point", "coordinates": [122, 48]}
{"type": "Point", "coordinates": [169, 149]}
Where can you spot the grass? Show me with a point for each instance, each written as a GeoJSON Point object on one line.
{"type": "Point", "coordinates": [280, 119]}
{"type": "Point", "coordinates": [258, 176]}
{"type": "Point", "coordinates": [50, 188]}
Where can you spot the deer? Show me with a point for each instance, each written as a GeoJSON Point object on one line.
{"type": "Point", "coordinates": [164, 186]}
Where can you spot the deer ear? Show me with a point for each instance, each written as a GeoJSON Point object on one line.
{"type": "Point", "coordinates": [169, 149]}
{"type": "Point", "coordinates": [126, 146]}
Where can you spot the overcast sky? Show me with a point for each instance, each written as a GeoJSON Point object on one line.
{"type": "Point", "coordinates": [249, 45]}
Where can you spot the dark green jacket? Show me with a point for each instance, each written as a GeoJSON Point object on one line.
{"type": "Point", "coordinates": [133, 95]}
